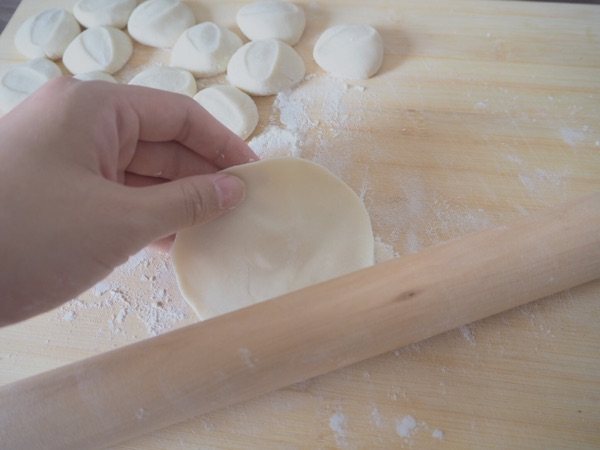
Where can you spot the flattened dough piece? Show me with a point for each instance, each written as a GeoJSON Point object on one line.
{"type": "Point", "coordinates": [47, 34]}
{"type": "Point", "coordinates": [274, 19]}
{"type": "Point", "coordinates": [107, 13]}
{"type": "Point", "coordinates": [168, 79]}
{"type": "Point", "coordinates": [299, 225]}
{"type": "Point", "coordinates": [95, 76]}
{"type": "Point", "coordinates": [158, 23]}
{"type": "Point", "coordinates": [230, 106]}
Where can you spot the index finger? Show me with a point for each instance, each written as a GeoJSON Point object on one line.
{"type": "Point", "coordinates": [165, 116]}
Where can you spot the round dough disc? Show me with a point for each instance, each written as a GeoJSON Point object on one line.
{"type": "Point", "coordinates": [230, 106]}
{"type": "Point", "coordinates": [274, 19]}
{"type": "Point", "coordinates": [350, 51]}
{"type": "Point", "coordinates": [168, 79]}
{"type": "Point", "coordinates": [265, 67]}
{"type": "Point", "coordinates": [47, 34]}
{"type": "Point", "coordinates": [158, 23]}
{"type": "Point", "coordinates": [107, 13]}
{"type": "Point", "coordinates": [298, 226]}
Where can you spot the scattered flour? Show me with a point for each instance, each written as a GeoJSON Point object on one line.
{"type": "Point", "coordinates": [571, 136]}
{"type": "Point", "coordinates": [406, 426]}
{"type": "Point", "coordinates": [467, 333]}
{"type": "Point", "coordinates": [376, 418]}
{"type": "Point", "coordinates": [247, 359]}
{"type": "Point", "coordinates": [384, 251]}
{"type": "Point", "coordinates": [69, 316]}
{"type": "Point", "coordinates": [337, 423]}
{"type": "Point", "coordinates": [437, 434]}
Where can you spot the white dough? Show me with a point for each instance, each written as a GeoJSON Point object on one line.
{"type": "Point", "coordinates": [158, 23]}
{"type": "Point", "coordinates": [230, 106]}
{"type": "Point", "coordinates": [272, 19]}
{"type": "Point", "coordinates": [47, 34]}
{"type": "Point", "coordinates": [205, 49]}
{"type": "Point", "coordinates": [95, 76]}
{"type": "Point", "coordinates": [22, 80]}
{"type": "Point", "coordinates": [104, 49]}
{"type": "Point", "coordinates": [167, 79]}
{"type": "Point", "coordinates": [107, 13]}
{"type": "Point", "coordinates": [299, 225]}
{"type": "Point", "coordinates": [350, 51]}
{"type": "Point", "coordinates": [265, 67]}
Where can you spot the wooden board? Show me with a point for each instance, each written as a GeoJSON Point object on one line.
{"type": "Point", "coordinates": [483, 112]}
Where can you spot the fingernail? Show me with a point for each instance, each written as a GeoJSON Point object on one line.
{"type": "Point", "coordinates": [230, 191]}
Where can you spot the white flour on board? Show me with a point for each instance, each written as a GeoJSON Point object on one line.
{"type": "Point", "coordinates": [339, 426]}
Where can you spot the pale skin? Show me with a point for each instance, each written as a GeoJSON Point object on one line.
{"type": "Point", "coordinates": [91, 173]}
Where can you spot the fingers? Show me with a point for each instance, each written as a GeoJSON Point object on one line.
{"type": "Point", "coordinates": [168, 160]}
{"type": "Point", "coordinates": [135, 180]}
{"type": "Point", "coordinates": [164, 116]}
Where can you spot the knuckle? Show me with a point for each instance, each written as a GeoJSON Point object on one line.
{"type": "Point", "coordinates": [194, 203]}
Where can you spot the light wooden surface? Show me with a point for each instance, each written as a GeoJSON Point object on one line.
{"type": "Point", "coordinates": [483, 112]}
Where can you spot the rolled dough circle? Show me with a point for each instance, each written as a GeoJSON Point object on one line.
{"type": "Point", "coordinates": [274, 19]}
{"type": "Point", "coordinates": [168, 79]}
{"type": "Point", "coordinates": [350, 51]}
{"type": "Point", "coordinates": [22, 80]}
{"type": "Point", "coordinates": [95, 76]}
{"type": "Point", "coordinates": [47, 34]}
{"type": "Point", "coordinates": [230, 106]}
{"type": "Point", "coordinates": [299, 225]}
{"type": "Point", "coordinates": [265, 67]}
{"type": "Point", "coordinates": [158, 23]}
{"type": "Point", "coordinates": [205, 49]}
{"type": "Point", "coordinates": [104, 49]}
{"type": "Point", "coordinates": [107, 13]}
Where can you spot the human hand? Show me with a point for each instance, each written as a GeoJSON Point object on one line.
{"type": "Point", "coordinates": [83, 171]}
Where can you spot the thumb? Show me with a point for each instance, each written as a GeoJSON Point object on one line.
{"type": "Point", "coordinates": [166, 208]}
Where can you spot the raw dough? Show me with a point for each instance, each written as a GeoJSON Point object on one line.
{"type": "Point", "coordinates": [104, 49]}
{"type": "Point", "coordinates": [47, 34]}
{"type": "Point", "coordinates": [265, 67]}
{"type": "Point", "coordinates": [205, 49]}
{"type": "Point", "coordinates": [272, 19]}
{"type": "Point", "coordinates": [95, 76]}
{"type": "Point", "coordinates": [158, 23]}
{"type": "Point", "coordinates": [22, 80]}
{"type": "Point", "coordinates": [230, 106]}
{"type": "Point", "coordinates": [299, 225]}
{"type": "Point", "coordinates": [168, 79]}
{"type": "Point", "coordinates": [350, 51]}
{"type": "Point", "coordinates": [108, 13]}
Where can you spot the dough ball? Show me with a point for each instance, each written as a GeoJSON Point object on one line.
{"type": "Point", "coordinates": [22, 80]}
{"type": "Point", "coordinates": [95, 76]}
{"type": "Point", "coordinates": [103, 13]}
{"type": "Point", "coordinates": [158, 23]}
{"type": "Point", "coordinates": [167, 79]}
{"type": "Point", "coordinates": [350, 51]}
{"type": "Point", "coordinates": [299, 225]}
{"type": "Point", "coordinates": [230, 106]}
{"type": "Point", "coordinates": [272, 19]}
{"type": "Point", "coordinates": [205, 49]}
{"type": "Point", "coordinates": [47, 34]}
{"type": "Point", "coordinates": [265, 67]}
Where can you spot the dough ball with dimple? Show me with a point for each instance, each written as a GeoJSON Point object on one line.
{"type": "Point", "coordinates": [205, 49]}
{"type": "Point", "coordinates": [299, 225]}
{"type": "Point", "coordinates": [47, 34]}
{"type": "Point", "coordinates": [167, 79]}
{"type": "Point", "coordinates": [158, 23]}
{"type": "Point", "coordinates": [265, 67]}
{"type": "Point", "coordinates": [350, 51]}
{"type": "Point", "coordinates": [230, 106]}
{"type": "Point", "coordinates": [272, 19]}
{"type": "Point", "coordinates": [95, 76]}
{"type": "Point", "coordinates": [22, 80]}
{"type": "Point", "coordinates": [108, 13]}
{"type": "Point", "coordinates": [104, 49]}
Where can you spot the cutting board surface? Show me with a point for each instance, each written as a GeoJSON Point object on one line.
{"type": "Point", "coordinates": [483, 112]}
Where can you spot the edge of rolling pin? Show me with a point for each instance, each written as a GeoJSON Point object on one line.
{"type": "Point", "coordinates": [139, 388]}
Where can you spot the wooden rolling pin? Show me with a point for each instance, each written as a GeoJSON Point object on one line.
{"type": "Point", "coordinates": [142, 387]}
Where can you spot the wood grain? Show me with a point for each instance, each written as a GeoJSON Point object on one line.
{"type": "Point", "coordinates": [484, 112]}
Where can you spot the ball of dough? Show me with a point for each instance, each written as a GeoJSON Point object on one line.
{"type": "Point", "coordinates": [265, 67]}
{"type": "Point", "coordinates": [167, 79]}
{"type": "Point", "coordinates": [104, 49]}
{"type": "Point", "coordinates": [272, 19]}
{"type": "Point", "coordinates": [205, 49]}
{"type": "Point", "coordinates": [350, 51]}
{"type": "Point", "coordinates": [95, 76]}
{"type": "Point", "coordinates": [158, 23]}
{"type": "Point", "coordinates": [22, 80]}
{"type": "Point", "coordinates": [104, 13]}
{"type": "Point", "coordinates": [299, 225]}
{"type": "Point", "coordinates": [47, 34]}
{"type": "Point", "coordinates": [230, 106]}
